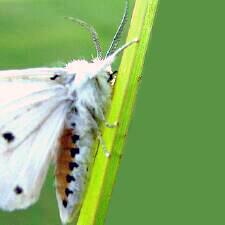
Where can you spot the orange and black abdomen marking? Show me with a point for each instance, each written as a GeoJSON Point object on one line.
{"type": "Point", "coordinates": [66, 163]}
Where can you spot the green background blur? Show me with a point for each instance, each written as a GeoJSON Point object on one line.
{"type": "Point", "coordinates": [172, 172]}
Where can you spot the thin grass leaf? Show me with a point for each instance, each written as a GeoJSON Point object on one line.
{"type": "Point", "coordinates": [105, 169]}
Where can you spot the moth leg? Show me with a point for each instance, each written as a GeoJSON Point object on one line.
{"type": "Point", "coordinates": [110, 125]}
{"type": "Point", "coordinates": [102, 142]}
{"type": "Point", "coordinates": [100, 116]}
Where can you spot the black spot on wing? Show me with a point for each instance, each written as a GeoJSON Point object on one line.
{"type": "Point", "coordinates": [8, 136]}
{"type": "Point", "coordinates": [18, 190]}
{"type": "Point", "coordinates": [54, 77]}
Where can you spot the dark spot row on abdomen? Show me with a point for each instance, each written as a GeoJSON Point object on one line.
{"type": "Point", "coordinates": [68, 150]}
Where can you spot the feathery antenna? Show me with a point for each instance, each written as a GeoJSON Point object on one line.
{"type": "Point", "coordinates": [119, 32]}
{"type": "Point", "coordinates": [92, 31]}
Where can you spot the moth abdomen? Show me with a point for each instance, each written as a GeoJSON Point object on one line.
{"type": "Point", "coordinates": [66, 156]}
{"type": "Point", "coordinates": [74, 157]}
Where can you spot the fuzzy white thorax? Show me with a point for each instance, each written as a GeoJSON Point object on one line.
{"type": "Point", "coordinates": [85, 70]}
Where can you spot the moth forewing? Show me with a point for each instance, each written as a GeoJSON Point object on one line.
{"type": "Point", "coordinates": [23, 170]}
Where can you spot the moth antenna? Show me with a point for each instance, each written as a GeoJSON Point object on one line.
{"type": "Point", "coordinates": [122, 48]}
{"type": "Point", "coordinates": [92, 31]}
{"type": "Point", "coordinates": [110, 59]}
{"type": "Point", "coordinates": [119, 32]}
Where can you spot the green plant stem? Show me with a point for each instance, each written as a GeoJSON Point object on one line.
{"type": "Point", "coordinates": [104, 171]}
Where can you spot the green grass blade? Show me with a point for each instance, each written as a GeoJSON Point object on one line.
{"type": "Point", "coordinates": [105, 169]}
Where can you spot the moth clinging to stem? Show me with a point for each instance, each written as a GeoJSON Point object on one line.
{"type": "Point", "coordinates": [54, 114]}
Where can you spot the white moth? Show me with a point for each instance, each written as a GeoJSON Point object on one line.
{"type": "Point", "coordinates": [53, 114]}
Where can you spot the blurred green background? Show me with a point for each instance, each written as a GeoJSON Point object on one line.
{"type": "Point", "coordinates": [172, 172]}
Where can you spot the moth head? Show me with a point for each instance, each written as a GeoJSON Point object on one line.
{"type": "Point", "coordinates": [108, 69]}
{"type": "Point", "coordinates": [84, 71]}
{"type": "Point", "coordinates": [102, 65]}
